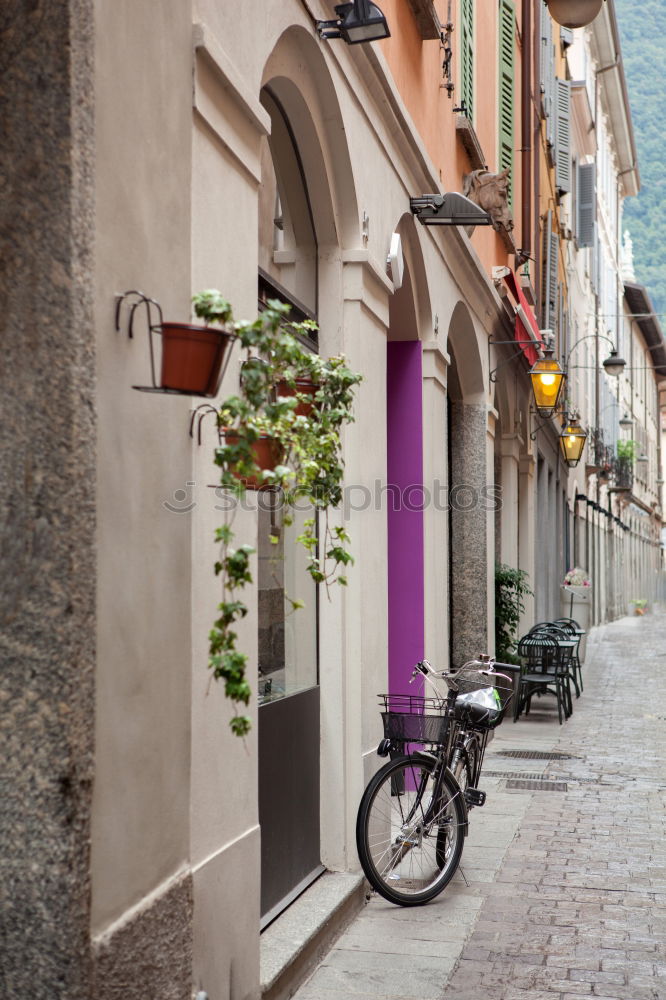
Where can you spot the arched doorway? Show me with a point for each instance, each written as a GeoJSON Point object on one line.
{"type": "Point", "coordinates": [299, 229]}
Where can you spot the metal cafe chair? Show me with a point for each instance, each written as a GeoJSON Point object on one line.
{"type": "Point", "coordinates": [567, 645]}
{"type": "Point", "coordinates": [543, 672]}
{"type": "Point", "coordinates": [576, 632]}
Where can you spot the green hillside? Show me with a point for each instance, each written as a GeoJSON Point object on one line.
{"type": "Point", "coordinates": [643, 33]}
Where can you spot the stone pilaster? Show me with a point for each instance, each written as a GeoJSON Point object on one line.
{"type": "Point", "coordinates": [47, 483]}
{"type": "Point", "coordinates": [469, 531]}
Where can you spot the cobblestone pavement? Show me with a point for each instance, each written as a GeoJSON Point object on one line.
{"type": "Point", "coordinates": [565, 891]}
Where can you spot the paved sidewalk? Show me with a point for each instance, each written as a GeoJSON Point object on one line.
{"type": "Point", "coordinates": [566, 893]}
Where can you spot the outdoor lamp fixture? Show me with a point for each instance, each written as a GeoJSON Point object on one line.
{"type": "Point", "coordinates": [360, 21]}
{"type": "Point", "coordinates": [614, 365]}
{"type": "Point", "coordinates": [547, 382]}
{"type": "Point", "coordinates": [626, 421]}
{"type": "Point", "coordinates": [572, 441]}
{"type": "Point", "coordinates": [574, 13]}
{"type": "Point", "coordinates": [450, 209]}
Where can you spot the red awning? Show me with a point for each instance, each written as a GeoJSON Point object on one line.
{"type": "Point", "coordinates": [526, 327]}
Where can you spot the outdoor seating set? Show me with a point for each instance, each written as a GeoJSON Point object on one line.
{"type": "Point", "coordinates": [550, 664]}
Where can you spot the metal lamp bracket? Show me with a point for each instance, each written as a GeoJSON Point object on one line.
{"type": "Point", "coordinates": [513, 343]}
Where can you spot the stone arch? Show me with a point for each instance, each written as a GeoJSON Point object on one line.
{"type": "Point", "coordinates": [463, 346]}
{"type": "Point", "coordinates": [415, 282]}
{"type": "Point", "coordinates": [297, 77]}
{"type": "Point", "coordinates": [468, 464]}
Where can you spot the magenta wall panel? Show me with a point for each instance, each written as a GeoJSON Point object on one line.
{"type": "Point", "coordinates": [404, 500]}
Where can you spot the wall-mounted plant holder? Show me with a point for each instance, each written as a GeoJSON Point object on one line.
{"type": "Point", "coordinates": [267, 451]}
{"type": "Point", "coordinates": [193, 358]}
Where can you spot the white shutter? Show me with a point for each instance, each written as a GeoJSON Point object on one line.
{"type": "Point", "coordinates": [586, 209]}
{"type": "Point", "coordinates": [563, 135]}
{"type": "Point", "coordinates": [547, 72]}
{"type": "Point", "coordinates": [549, 284]}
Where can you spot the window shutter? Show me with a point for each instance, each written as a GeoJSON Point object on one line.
{"type": "Point", "coordinates": [566, 37]}
{"type": "Point", "coordinates": [553, 283]}
{"type": "Point", "coordinates": [563, 136]}
{"type": "Point", "coordinates": [506, 74]}
{"type": "Point", "coordinates": [467, 56]}
{"type": "Point", "coordinates": [586, 208]}
{"type": "Point", "coordinates": [549, 284]}
{"type": "Point", "coordinates": [547, 72]}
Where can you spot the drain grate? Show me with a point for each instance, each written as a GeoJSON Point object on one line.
{"type": "Point", "coordinates": [537, 755]}
{"type": "Point", "coordinates": [528, 775]}
{"type": "Point", "coordinates": [537, 785]}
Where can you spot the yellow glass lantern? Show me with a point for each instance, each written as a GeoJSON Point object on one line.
{"type": "Point", "coordinates": [547, 382]}
{"type": "Point", "coordinates": [572, 441]}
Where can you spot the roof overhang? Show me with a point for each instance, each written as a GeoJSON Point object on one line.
{"type": "Point", "coordinates": [639, 303]}
{"type": "Point", "coordinates": [606, 37]}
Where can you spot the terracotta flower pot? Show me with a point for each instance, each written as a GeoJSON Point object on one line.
{"type": "Point", "coordinates": [192, 358]}
{"type": "Point", "coordinates": [266, 452]}
{"type": "Point", "coordinates": [304, 386]}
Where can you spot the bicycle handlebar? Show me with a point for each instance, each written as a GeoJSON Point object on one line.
{"type": "Point", "coordinates": [493, 668]}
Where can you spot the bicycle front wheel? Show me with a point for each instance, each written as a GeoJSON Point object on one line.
{"type": "Point", "coordinates": [410, 835]}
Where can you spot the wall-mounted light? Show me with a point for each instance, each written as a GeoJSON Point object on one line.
{"type": "Point", "coordinates": [451, 209]}
{"type": "Point", "coordinates": [643, 458]}
{"type": "Point", "coordinates": [547, 383]}
{"type": "Point", "coordinates": [574, 13]}
{"type": "Point", "coordinates": [626, 422]}
{"type": "Point", "coordinates": [614, 365]}
{"type": "Point", "coordinates": [572, 441]}
{"type": "Point", "coordinates": [360, 21]}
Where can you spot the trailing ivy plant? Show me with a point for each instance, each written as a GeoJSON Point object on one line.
{"type": "Point", "coordinates": [305, 464]}
{"type": "Point", "coordinates": [510, 590]}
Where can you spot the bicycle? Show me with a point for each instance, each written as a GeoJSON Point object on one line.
{"type": "Point", "coordinates": [413, 816]}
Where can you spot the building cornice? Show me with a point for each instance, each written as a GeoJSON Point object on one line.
{"type": "Point", "coordinates": [610, 70]}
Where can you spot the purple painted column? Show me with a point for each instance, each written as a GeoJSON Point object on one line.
{"type": "Point", "coordinates": [405, 512]}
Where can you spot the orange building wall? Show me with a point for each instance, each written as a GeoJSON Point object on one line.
{"type": "Point", "coordinates": [416, 66]}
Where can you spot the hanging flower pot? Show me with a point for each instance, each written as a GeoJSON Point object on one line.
{"type": "Point", "coordinates": [267, 452]}
{"type": "Point", "coordinates": [192, 358]}
{"type": "Point", "coordinates": [302, 386]}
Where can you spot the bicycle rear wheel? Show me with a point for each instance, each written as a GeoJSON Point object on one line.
{"type": "Point", "coordinates": [409, 844]}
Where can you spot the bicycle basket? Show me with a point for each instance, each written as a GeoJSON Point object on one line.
{"type": "Point", "coordinates": [413, 719]}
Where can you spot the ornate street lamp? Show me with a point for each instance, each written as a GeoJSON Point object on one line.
{"type": "Point", "coordinates": [572, 441]}
{"type": "Point", "coordinates": [574, 13]}
{"type": "Point", "coordinates": [547, 382]}
{"type": "Point", "coordinates": [360, 21]}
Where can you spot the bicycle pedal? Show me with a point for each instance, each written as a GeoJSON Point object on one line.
{"type": "Point", "coordinates": [474, 797]}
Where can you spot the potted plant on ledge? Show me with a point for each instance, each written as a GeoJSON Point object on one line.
{"type": "Point", "coordinates": [281, 431]}
{"type": "Point", "coordinates": [575, 601]}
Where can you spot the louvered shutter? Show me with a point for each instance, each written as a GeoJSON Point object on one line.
{"type": "Point", "coordinates": [586, 209]}
{"type": "Point", "coordinates": [547, 73]}
{"type": "Point", "coordinates": [563, 136]}
{"type": "Point", "coordinates": [506, 72]}
{"type": "Point", "coordinates": [549, 286]}
{"type": "Point", "coordinates": [566, 37]}
{"type": "Point", "coordinates": [467, 56]}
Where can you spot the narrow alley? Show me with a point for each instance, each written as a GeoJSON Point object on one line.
{"type": "Point", "coordinates": [565, 865]}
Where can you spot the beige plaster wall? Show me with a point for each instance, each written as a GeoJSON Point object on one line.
{"type": "Point", "coordinates": [140, 824]}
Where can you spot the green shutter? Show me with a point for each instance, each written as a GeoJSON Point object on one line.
{"type": "Point", "coordinates": [467, 56]}
{"type": "Point", "coordinates": [506, 88]}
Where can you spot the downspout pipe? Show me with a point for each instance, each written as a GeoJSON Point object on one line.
{"type": "Point", "coordinates": [526, 131]}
